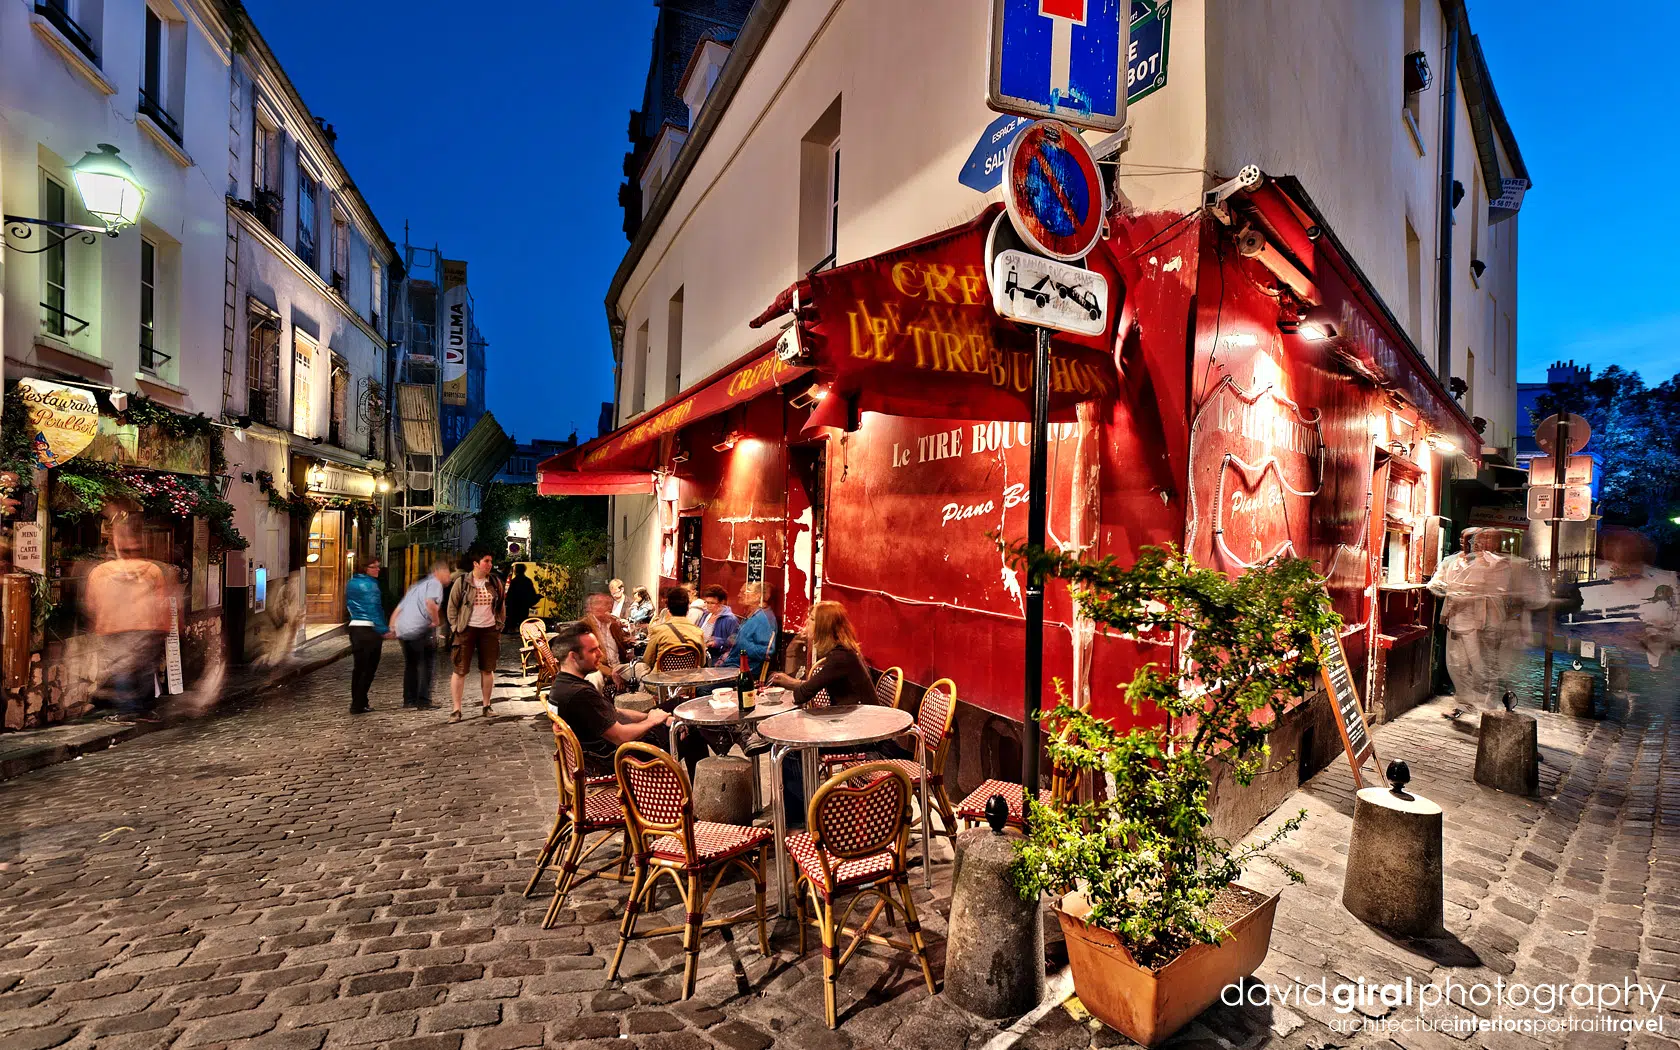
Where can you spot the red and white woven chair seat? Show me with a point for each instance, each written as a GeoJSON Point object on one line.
{"type": "Point", "coordinates": [909, 766]}
{"type": "Point", "coordinates": [974, 806]}
{"type": "Point", "coordinates": [857, 871]}
{"type": "Point", "coordinates": [597, 779]}
{"type": "Point", "coordinates": [712, 842]}
{"type": "Point", "coordinates": [603, 809]}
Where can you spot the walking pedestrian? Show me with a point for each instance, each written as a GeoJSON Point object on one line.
{"type": "Point", "coordinates": [368, 631]}
{"type": "Point", "coordinates": [477, 610]}
{"type": "Point", "coordinates": [416, 622]}
{"type": "Point", "coordinates": [521, 596]}
{"type": "Point", "coordinates": [128, 601]}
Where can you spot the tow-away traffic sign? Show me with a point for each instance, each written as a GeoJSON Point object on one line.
{"type": "Point", "coordinates": [1044, 292]}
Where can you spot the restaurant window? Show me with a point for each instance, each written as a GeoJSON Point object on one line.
{"type": "Point", "coordinates": [56, 297]}
{"type": "Point", "coordinates": [306, 231]}
{"type": "Point", "coordinates": [262, 366]}
{"type": "Point", "coordinates": [819, 192]}
{"type": "Point", "coordinates": [674, 345]}
{"type": "Point", "coordinates": [266, 198]}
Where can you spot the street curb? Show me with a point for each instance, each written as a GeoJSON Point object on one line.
{"type": "Point", "coordinates": [53, 754]}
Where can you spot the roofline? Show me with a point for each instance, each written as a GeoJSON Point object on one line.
{"type": "Point", "coordinates": [665, 127]}
{"type": "Point", "coordinates": [1500, 124]}
{"type": "Point", "coordinates": [710, 36]}
{"type": "Point", "coordinates": [754, 32]}
{"type": "Point", "coordinates": [240, 23]}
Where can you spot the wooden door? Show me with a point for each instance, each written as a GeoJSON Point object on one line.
{"type": "Point", "coordinates": [324, 567]}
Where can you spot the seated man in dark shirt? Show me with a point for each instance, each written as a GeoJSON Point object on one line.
{"type": "Point", "coordinates": [600, 726]}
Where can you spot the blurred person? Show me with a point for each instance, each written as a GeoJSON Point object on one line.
{"type": "Point", "coordinates": [614, 639]}
{"type": "Point", "coordinates": [718, 623]}
{"type": "Point", "coordinates": [476, 611]}
{"type": "Point", "coordinates": [616, 589]}
{"type": "Point", "coordinates": [1660, 618]}
{"type": "Point", "coordinates": [675, 632]}
{"type": "Point", "coordinates": [641, 608]}
{"type": "Point", "coordinates": [756, 636]}
{"type": "Point", "coordinates": [521, 597]}
{"type": "Point", "coordinates": [1486, 598]}
{"type": "Point", "coordinates": [127, 600]}
{"type": "Point", "coordinates": [416, 623]}
{"type": "Point", "coordinates": [368, 631]}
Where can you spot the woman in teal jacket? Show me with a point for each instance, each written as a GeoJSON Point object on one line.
{"type": "Point", "coordinates": [365, 606]}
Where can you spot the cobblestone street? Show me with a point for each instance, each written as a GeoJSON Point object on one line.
{"type": "Point", "coordinates": [291, 876]}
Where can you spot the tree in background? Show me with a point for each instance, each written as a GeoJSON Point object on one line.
{"type": "Point", "coordinates": [1636, 434]}
{"type": "Point", "coordinates": [568, 534]}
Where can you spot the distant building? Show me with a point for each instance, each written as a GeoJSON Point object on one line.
{"type": "Point", "coordinates": [1577, 540]}
{"type": "Point", "coordinates": [521, 466]}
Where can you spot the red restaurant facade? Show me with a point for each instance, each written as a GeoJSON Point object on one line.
{"type": "Point", "coordinates": [1252, 398]}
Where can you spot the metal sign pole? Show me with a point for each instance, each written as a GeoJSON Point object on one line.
{"type": "Point", "coordinates": [1560, 455]}
{"type": "Point", "coordinates": [1037, 496]}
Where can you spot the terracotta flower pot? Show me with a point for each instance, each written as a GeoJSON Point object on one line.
{"type": "Point", "coordinates": [1148, 1006]}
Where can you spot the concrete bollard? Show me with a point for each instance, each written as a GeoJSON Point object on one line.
{"type": "Point", "coordinates": [994, 943]}
{"type": "Point", "coordinates": [1507, 755]}
{"type": "Point", "coordinates": [643, 702]}
{"type": "Point", "coordinates": [1575, 694]}
{"type": "Point", "coordinates": [723, 790]}
{"type": "Point", "coordinates": [1394, 875]}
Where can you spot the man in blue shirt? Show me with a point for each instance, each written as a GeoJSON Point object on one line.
{"type": "Point", "coordinates": [757, 636]}
{"type": "Point", "coordinates": [368, 631]}
{"type": "Point", "coordinates": [415, 623]}
{"type": "Point", "coordinates": [719, 624]}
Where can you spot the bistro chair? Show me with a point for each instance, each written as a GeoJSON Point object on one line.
{"type": "Point", "coordinates": [681, 658]}
{"type": "Point", "coordinates": [547, 665]}
{"type": "Point", "coordinates": [933, 722]}
{"type": "Point", "coordinates": [587, 806]}
{"type": "Point", "coordinates": [666, 840]}
{"type": "Point", "coordinates": [531, 631]}
{"type": "Point", "coordinates": [858, 827]}
{"type": "Point", "coordinates": [889, 691]}
{"type": "Point", "coordinates": [1063, 790]}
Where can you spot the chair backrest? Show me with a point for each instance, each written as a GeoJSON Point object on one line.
{"type": "Point", "coordinates": [547, 665]}
{"type": "Point", "coordinates": [681, 658]}
{"type": "Point", "coordinates": [568, 767]}
{"type": "Point", "coordinates": [938, 711]}
{"type": "Point", "coordinates": [820, 699]}
{"type": "Point", "coordinates": [889, 688]}
{"type": "Point", "coordinates": [861, 812]}
{"type": "Point", "coordinates": [532, 630]}
{"type": "Point", "coordinates": [1064, 782]}
{"type": "Point", "coordinates": [657, 798]}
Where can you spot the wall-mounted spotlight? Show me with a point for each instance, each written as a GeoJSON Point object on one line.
{"type": "Point", "coordinates": [729, 442]}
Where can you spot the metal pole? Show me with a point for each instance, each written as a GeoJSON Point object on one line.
{"type": "Point", "coordinates": [1037, 494]}
{"type": "Point", "coordinates": [1560, 458]}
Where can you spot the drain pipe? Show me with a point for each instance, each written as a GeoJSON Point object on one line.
{"type": "Point", "coordinates": [1449, 119]}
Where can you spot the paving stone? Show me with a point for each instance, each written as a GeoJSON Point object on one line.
{"type": "Point", "coordinates": [735, 1035]}
{"type": "Point", "coordinates": [229, 1029]}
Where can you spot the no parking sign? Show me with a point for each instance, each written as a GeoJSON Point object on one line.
{"type": "Point", "coordinates": [1053, 190]}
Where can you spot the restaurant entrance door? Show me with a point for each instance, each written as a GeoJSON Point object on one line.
{"type": "Point", "coordinates": [324, 565]}
{"type": "Point", "coordinates": [688, 550]}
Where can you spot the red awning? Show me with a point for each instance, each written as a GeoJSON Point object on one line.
{"type": "Point", "coordinates": [912, 332]}
{"type": "Point", "coordinates": [592, 483]}
{"type": "Point", "coordinates": [634, 449]}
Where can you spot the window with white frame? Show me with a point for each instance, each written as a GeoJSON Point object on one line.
{"type": "Point", "coordinates": [308, 188]}
{"type": "Point", "coordinates": [262, 364]}
{"type": "Point", "coordinates": [819, 192]}
{"type": "Point", "coordinates": [55, 270]}
{"type": "Point", "coordinates": [376, 293]}
{"type": "Point", "coordinates": [149, 353]}
{"type": "Point", "coordinates": [162, 73]}
{"type": "Point", "coordinates": [340, 252]}
{"type": "Point", "coordinates": [266, 194]}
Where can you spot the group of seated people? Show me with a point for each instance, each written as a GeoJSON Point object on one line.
{"type": "Point", "coordinates": [588, 649]}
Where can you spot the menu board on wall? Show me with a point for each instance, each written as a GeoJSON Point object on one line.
{"type": "Point", "coordinates": [200, 562]}
{"type": "Point", "coordinates": [755, 561]}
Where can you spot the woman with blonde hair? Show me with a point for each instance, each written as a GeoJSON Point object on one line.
{"type": "Point", "coordinates": [836, 660]}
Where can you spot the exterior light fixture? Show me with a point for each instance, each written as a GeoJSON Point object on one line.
{"type": "Point", "coordinates": [727, 443]}
{"type": "Point", "coordinates": [317, 476]}
{"type": "Point", "coordinates": [110, 193]}
{"type": "Point", "coordinates": [1316, 325]}
{"type": "Point", "coordinates": [383, 485]}
{"type": "Point", "coordinates": [1442, 444]}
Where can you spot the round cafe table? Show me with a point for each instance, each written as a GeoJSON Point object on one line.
{"type": "Point", "coordinates": [806, 731]}
{"type": "Point", "coordinates": [710, 713]}
{"type": "Point", "coordinates": [669, 686]}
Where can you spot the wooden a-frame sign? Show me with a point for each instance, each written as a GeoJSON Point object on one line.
{"type": "Point", "coordinates": [1344, 700]}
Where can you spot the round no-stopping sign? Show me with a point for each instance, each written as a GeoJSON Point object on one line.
{"type": "Point", "coordinates": [1053, 190]}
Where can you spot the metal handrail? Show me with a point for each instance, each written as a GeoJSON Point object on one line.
{"type": "Point", "coordinates": [150, 355]}
{"type": "Point", "coordinates": [153, 108]}
{"type": "Point", "coordinates": [66, 315]}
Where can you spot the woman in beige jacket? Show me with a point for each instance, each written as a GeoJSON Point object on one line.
{"type": "Point", "coordinates": [477, 610]}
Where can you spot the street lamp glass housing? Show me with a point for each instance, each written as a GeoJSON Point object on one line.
{"type": "Point", "coordinates": [108, 188]}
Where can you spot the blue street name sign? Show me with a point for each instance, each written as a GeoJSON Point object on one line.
{"type": "Point", "coordinates": [984, 169]}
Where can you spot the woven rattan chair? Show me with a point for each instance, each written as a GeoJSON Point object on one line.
{"type": "Point", "coordinates": [547, 665]}
{"type": "Point", "coordinates": [587, 806]}
{"type": "Point", "coordinates": [934, 719]}
{"type": "Point", "coordinates": [680, 658]}
{"type": "Point", "coordinates": [531, 631]}
{"type": "Point", "coordinates": [666, 840]}
{"type": "Point", "coordinates": [858, 828]}
{"type": "Point", "coordinates": [889, 691]}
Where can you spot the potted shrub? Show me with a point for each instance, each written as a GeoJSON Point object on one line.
{"type": "Point", "coordinates": [1155, 920]}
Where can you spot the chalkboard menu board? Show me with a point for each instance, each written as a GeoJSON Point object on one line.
{"type": "Point", "coordinates": [1344, 699]}
{"type": "Point", "coordinates": [755, 561]}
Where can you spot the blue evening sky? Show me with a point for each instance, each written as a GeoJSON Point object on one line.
{"type": "Point", "coordinates": [500, 139]}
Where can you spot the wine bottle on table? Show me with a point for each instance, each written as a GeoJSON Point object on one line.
{"type": "Point", "coordinates": [745, 687]}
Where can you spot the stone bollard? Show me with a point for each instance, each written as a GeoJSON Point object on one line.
{"type": "Point", "coordinates": [643, 702]}
{"type": "Point", "coordinates": [1394, 875]}
{"type": "Point", "coordinates": [723, 790]}
{"type": "Point", "coordinates": [1575, 694]}
{"type": "Point", "coordinates": [1507, 755]}
{"type": "Point", "coordinates": [994, 943]}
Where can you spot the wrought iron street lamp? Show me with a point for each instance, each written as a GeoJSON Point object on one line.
{"type": "Point", "coordinates": [109, 191]}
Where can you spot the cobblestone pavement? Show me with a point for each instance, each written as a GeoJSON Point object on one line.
{"type": "Point", "coordinates": [292, 876]}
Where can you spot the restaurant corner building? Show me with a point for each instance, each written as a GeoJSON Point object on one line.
{"type": "Point", "coordinates": [859, 431]}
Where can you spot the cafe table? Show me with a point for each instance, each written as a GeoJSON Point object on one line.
{"type": "Point", "coordinates": [722, 710]}
{"type": "Point", "coordinates": [807, 731]}
{"type": "Point", "coordinates": [673, 686]}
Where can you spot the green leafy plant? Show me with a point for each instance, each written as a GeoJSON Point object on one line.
{"type": "Point", "coordinates": [1144, 857]}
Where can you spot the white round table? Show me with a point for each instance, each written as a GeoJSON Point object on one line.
{"type": "Point", "coordinates": [806, 731]}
